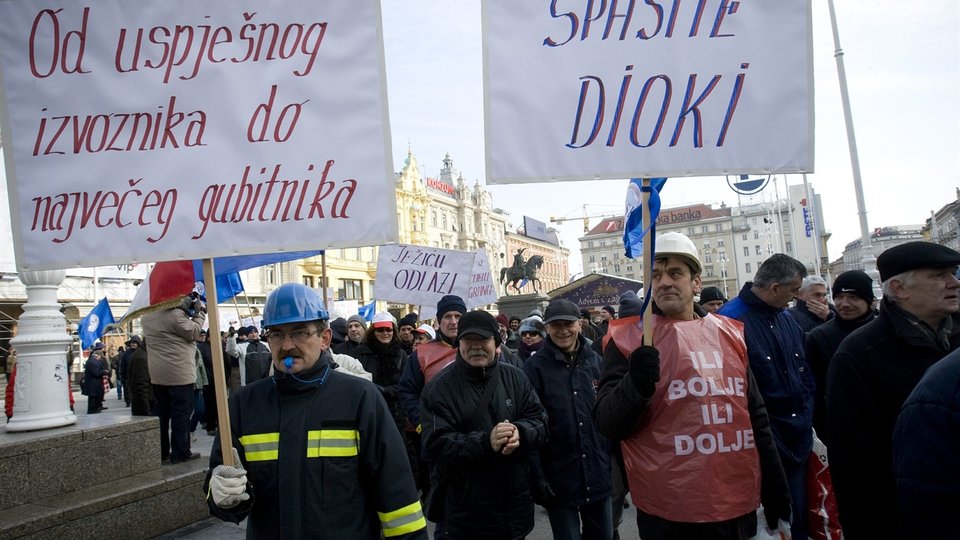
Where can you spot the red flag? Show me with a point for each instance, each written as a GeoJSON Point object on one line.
{"type": "Point", "coordinates": [164, 287]}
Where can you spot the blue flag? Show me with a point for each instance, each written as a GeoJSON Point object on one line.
{"type": "Point", "coordinates": [633, 226]}
{"type": "Point", "coordinates": [95, 323]}
{"type": "Point", "coordinates": [366, 311]}
{"type": "Point", "coordinates": [228, 286]}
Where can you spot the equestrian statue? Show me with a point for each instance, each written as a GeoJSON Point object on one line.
{"type": "Point", "coordinates": [521, 270]}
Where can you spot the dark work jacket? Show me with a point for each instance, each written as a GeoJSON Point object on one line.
{"type": "Point", "coordinates": [296, 493]}
{"type": "Point", "coordinates": [488, 494]}
{"type": "Point", "coordinates": [869, 378]}
{"type": "Point", "coordinates": [512, 341]}
{"type": "Point", "coordinates": [807, 320]}
{"type": "Point", "coordinates": [822, 343]}
{"type": "Point", "coordinates": [348, 347]}
{"type": "Point", "coordinates": [775, 347]}
{"type": "Point", "coordinates": [576, 460]}
{"type": "Point", "coordinates": [925, 443]}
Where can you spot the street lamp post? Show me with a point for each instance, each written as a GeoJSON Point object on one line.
{"type": "Point", "coordinates": [723, 273]}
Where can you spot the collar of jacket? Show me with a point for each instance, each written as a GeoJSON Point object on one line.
{"type": "Point", "coordinates": [571, 358]}
{"type": "Point", "coordinates": [698, 310]}
{"type": "Point", "coordinates": [476, 374]}
{"type": "Point", "coordinates": [751, 299]}
{"type": "Point", "coordinates": [915, 331]}
{"type": "Point", "coordinates": [289, 384]}
{"type": "Point", "coordinates": [855, 323]}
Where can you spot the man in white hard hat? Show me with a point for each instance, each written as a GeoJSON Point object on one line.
{"type": "Point", "coordinates": [699, 453]}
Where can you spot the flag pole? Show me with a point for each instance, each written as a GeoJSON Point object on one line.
{"type": "Point", "coordinates": [647, 259]}
{"type": "Point", "coordinates": [219, 374]}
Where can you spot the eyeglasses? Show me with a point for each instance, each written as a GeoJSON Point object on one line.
{"type": "Point", "coordinates": [529, 334]}
{"type": "Point", "coordinates": [276, 337]}
{"type": "Point", "coordinates": [384, 329]}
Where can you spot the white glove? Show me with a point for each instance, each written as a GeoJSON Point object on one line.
{"type": "Point", "coordinates": [228, 485]}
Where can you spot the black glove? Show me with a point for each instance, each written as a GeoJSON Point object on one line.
{"type": "Point", "coordinates": [543, 493]}
{"type": "Point", "coordinates": [776, 510]}
{"type": "Point", "coordinates": [645, 369]}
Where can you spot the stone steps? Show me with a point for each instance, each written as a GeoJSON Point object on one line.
{"type": "Point", "coordinates": [101, 477]}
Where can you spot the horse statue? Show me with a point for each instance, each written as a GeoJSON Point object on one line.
{"type": "Point", "coordinates": [528, 271]}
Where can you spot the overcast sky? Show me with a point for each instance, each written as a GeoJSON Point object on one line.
{"type": "Point", "coordinates": [903, 73]}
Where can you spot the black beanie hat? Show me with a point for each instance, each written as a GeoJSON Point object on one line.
{"type": "Point", "coordinates": [630, 305]}
{"type": "Point", "coordinates": [709, 294]}
{"type": "Point", "coordinates": [855, 282]}
{"type": "Point", "coordinates": [451, 302]}
{"type": "Point", "coordinates": [410, 319]}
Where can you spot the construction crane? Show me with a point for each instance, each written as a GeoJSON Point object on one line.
{"type": "Point", "coordinates": [586, 217]}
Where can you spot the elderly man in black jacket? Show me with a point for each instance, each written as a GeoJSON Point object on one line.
{"type": "Point", "coordinates": [481, 423]}
{"type": "Point", "coordinates": [873, 372]}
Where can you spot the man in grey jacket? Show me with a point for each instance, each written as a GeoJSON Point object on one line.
{"type": "Point", "coordinates": [172, 334]}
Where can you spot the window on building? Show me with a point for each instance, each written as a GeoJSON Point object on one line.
{"type": "Point", "coordinates": [718, 227]}
{"type": "Point", "coordinates": [706, 245]}
{"type": "Point", "coordinates": [744, 236]}
{"type": "Point", "coordinates": [756, 235]}
{"type": "Point", "coordinates": [590, 243]}
{"type": "Point", "coordinates": [759, 252]}
{"type": "Point", "coordinates": [708, 257]}
{"type": "Point", "coordinates": [434, 217]}
{"type": "Point", "coordinates": [703, 229]}
{"type": "Point", "coordinates": [308, 281]}
{"type": "Point", "coordinates": [720, 243]}
{"type": "Point", "coordinates": [351, 289]}
{"type": "Point", "coordinates": [616, 254]}
{"type": "Point", "coordinates": [603, 243]}
{"type": "Point", "coordinates": [709, 270]}
{"type": "Point", "coordinates": [747, 268]}
{"type": "Point", "coordinates": [754, 221]}
{"type": "Point", "coordinates": [746, 251]}
{"type": "Point", "coordinates": [444, 220]}
{"type": "Point", "coordinates": [273, 271]}
{"type": "Point", "coordinates": [788, 247]}
{"type": "Point", "coordinates": [629, 268]}
{"type": "Point", "coordinates": [603, 257]}
{"type": "Point", "coordinates": [689, 231]}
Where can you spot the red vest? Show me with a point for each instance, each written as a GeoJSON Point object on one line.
{"type": "Point", "coordinates": [433, 356]}
{"type": "Point", "coordinates": [694, 460]}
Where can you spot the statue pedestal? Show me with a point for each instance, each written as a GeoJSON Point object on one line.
{"type": "Point", "coordinates": [41, 394]}
{"type": "Point", "coordinates": [520, 305]}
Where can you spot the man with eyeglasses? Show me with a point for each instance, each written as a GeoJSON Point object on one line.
{"type": "Point", "coordinates": [316, 452]}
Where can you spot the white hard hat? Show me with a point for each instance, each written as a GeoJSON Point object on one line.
{"type": "Point", "coordinates": [678, 245]}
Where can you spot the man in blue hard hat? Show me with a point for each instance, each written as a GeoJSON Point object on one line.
{"type": "Point", "coordinates": [316, 451]}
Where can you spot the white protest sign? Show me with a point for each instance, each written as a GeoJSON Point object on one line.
{"type": "Point", "coordinates": [482, 291]}
{"type": "Point", "coordinates": [169, 129]}
{"type": "Point", "coordinates": [343, 308]}
{"type": "Point", "coordinates": [580, 90]}
{"type": "Point", "coordinates": [422, 275]}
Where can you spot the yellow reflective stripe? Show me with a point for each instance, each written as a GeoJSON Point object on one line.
{"type": "Point", "coordinates": [261, 446]}
{"type": "Point", "coordinates": [265, 455]}
{"type": "Point", "coordinates": [402, 521]}
{"type": "Point", "coordinates": [333, 443]}
{"type": "Point", "coordinates": [260, 438]}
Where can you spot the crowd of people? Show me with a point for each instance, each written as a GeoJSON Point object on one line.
{"type": "Point", "coordinates": [703, 411]}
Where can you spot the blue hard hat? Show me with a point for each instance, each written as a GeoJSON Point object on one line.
{"type": "Point", "coordinates": [293, 302]}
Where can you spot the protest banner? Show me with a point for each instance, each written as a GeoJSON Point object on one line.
{"type": "Point", "coordinates": [422, 275]}
{"type": "Point", "coordinates": [184, 130]}
{"type": "Point", "coordinates": [586, 90]}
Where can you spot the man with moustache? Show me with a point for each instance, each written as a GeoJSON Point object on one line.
{"type": "Point", "coordinates": [316, 451]}
{"type": "Point", "coordinates": [481, 423]}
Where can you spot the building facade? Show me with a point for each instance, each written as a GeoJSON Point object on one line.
{"type": "Point", "coordinates": [943, 226]}
{"type": "Point", "coordinates": [732, 241]}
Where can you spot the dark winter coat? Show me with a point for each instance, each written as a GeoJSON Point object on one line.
{"type": "Point", "coordinates": [256, 361]}
{"type": "Point", "coordinates": [576, 461]}
{"type": "Point", "coordinates": [805, 318]}
{"type": "Point", "coordinates": [385, 364]}
{"type": "Point", "coordinates": [870, 377]}
{"type": "Point", "coordinates": [775, 347]}
{"type": "Point", "coordinates": [488, 494]}
{"type": "Point", "coordinates": [348, 347]}
{"type": "Point", "coordinates": [139, 387]}
{"type": "Point", "coordinates": [925, 460]}
{"type": "Point", "coordinates": [822, 343]}
{"type": "Point", "coordinates": [93, 373]}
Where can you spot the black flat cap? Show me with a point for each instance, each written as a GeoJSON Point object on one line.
{"type": "Point", "coordinates": [914, 255]}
